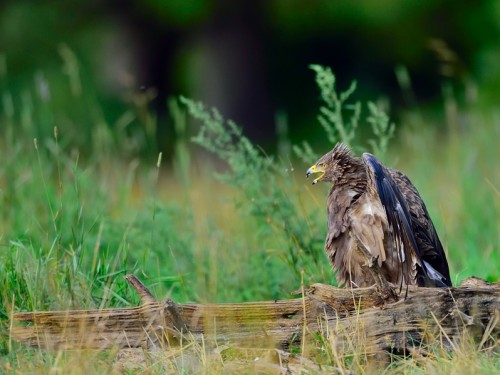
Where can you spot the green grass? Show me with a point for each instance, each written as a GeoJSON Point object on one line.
{"type": "Point", "coordinates": [76, 217]}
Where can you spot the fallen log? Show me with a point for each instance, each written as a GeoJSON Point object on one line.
{"type": "Point", "coordinates": [346, 317]}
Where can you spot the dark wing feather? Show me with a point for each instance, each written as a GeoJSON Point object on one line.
{"type": "Point", "coordinates": [430, 247]}
{"type": "Point", "coordinates": [398, 215]}
{"type": "Point", "coordinates": [415, 235]}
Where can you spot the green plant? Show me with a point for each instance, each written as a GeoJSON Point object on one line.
{"type": "Point", "coordinates": [340, 118]}
{"type": "Point", "coordinates": [267, 184]}
{"type": "Point", "coordinates": [267, 188]}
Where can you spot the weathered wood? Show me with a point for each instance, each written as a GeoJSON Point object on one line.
{"type": "Point", "coordinates": [345, 315]}
{"type": "Point", "coordinates": [140, 288]}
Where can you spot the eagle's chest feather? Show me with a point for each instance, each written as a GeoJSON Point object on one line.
{"type": "Point", "coordinates": [364, 219]}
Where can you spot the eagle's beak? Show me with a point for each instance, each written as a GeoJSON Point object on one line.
{"type": "Point", "coordinates": [315, 169]}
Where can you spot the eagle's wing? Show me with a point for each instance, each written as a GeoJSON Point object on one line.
{"type": "Point", "coordinates": [430, 248]}
{"type": "Point", "coordinates": [400, 222]}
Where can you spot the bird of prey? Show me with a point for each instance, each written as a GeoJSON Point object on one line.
{"type": "Point", "coordinates": [378, 208]}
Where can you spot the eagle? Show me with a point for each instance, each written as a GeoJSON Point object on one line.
{"type": "Point", "coordinates": [378, 208]}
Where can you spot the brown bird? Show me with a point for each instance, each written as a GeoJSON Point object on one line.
{"type": "Point", "coordinates": [378, 208]}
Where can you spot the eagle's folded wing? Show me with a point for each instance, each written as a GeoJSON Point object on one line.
{"type": "Point", "coordinates": [400, 222]}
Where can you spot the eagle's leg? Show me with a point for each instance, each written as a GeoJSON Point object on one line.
{"type": "Point", "coordinates": [385, 288]}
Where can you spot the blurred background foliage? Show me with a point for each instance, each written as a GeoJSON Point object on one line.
{"type": "Point", "coordinates": [96, 83]}
{"type": "Point", "coordinates": [247, 58]}
{"type": "Point", "coordinates": [99, 176]}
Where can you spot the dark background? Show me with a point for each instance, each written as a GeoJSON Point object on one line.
{"type": "Point", "coordinates": [247, 58]}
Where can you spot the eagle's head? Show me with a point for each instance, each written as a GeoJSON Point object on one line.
{"type": "Point", "coordinates": [332, 165]}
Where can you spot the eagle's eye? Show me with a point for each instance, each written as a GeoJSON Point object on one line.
{"type": "Point", "coordinates": [323, 165]}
